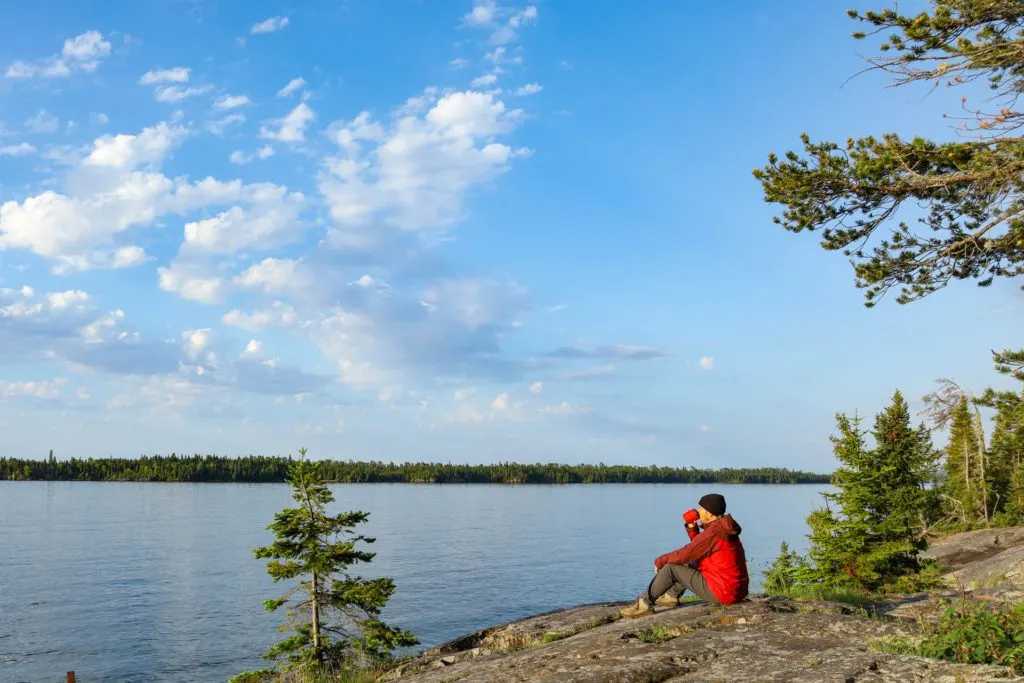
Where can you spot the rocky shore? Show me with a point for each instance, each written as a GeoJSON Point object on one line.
{"type": "Point", "coordinates": [763, 639]}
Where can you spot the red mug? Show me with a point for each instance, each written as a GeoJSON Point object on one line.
{"type": "Point", "coordinates": [691, 516]}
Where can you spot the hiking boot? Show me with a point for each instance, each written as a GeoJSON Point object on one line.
{"type": "Point", "coordinates": [667, 600]}
{"type": "Point", "coordinates": [641, 608]}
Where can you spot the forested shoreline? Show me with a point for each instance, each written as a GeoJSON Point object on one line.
{"type": "Point", "coordinates": [270, 469]}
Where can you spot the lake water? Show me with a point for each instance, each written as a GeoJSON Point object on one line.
{"type": "Point", "coordinates": [157, 582]}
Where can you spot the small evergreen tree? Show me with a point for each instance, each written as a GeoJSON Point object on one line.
{"type": "Point", "coordinates": [333, 615]}
{"type": "Point", "coordinates": [1007, 448]}
{"type": "Point", "coordinates": [966, 488]}
{"type": "Point", "coordinates": [787, 571]}
{"type": "Point", "coordinates": [870, 532]}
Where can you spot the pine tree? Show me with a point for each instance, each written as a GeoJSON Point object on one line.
{"type": "Point", "coordinates": [334, 616]}
{"type": "Point", "coordinates": [914, 214]}
{"type": "Point", "coordinates": [870, 532]}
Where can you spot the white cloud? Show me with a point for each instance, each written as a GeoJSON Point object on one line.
{"type": "Point", "coordinates": [485, 80]}
{"type": "Point", "coordinates": [707, 363]}
{"type": "Point", "coordinates": [108, 194]}
{"type": "Point", "coordinates": [271, 220]}
{"type": "Point", "coordinates": [32, 388]}
{"type": "Point", "coordinates": [240, 157]}
{"type": "Point", "coordinates": [18, 150]}
{"type": "Point", "coordinates": [529, 89]}
{"type": "Point", "coordinates": [253, 348]}
{"type": "Point", "coordinates": [269, 25]}
{"type": "Point", "coordinates": [126, 257]}
{"type": "Point", "coordinates": [173, 93]}
{"type": "Point", "coordinates": [84, 52]}
{"type": "Point", "coordinates": [482, 14]}
{"type": "Point", "coordinates": [218, 126]}
{"type": "Point", "coordinates": [704, 428]}
{"type": "Point", "coordinates": [536, 387]}
{"type": "Point", "coordinates": [459, 63]}
{"type": "Point", "coordinates": [43, 122]}
{"type": "Point", "coordinates": [170, 84]}
{"type": "Point", "coordinates": [278, 315]}
{"type": "Point", "coordinates": [500, 402]}
{"type": "Point", "coordinates": [196, 341]}
{"type": "Point", "coordinates": [293, 85]}
{"type": "Point", "coordinates": [415, 175]}
{"type": "Point", "coordinates": [270, 275]}
{"type": "Point", "coordinates": [151, 146]}
{"type": "Point", "coordinates": [178, 74]}
{"type": "Point", "coordinates": [231, 102]}
{"type": "Point", "coordinates": [99, 118]}
{"type": "Point", "coordinates": [190, 283]}
{"type": "Point", "coordinates": [290, 128]}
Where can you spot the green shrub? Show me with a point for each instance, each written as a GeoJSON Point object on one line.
{"type": "Point", "coordinates": [969, 633]}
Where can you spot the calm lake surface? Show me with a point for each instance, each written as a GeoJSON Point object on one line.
{"type": "Point", "coordinates": [157, 582]}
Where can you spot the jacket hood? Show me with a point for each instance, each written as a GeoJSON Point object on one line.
{"type": "Point", "coordinates": [725, 526]}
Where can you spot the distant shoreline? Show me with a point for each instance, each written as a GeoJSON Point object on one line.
{"type": "Point", "coordinates": [274, 469]}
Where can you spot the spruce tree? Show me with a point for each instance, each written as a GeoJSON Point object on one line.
{"type": "Point", "coordinates": [966, 489]}
{"type": "Point", "coordinates": [333, 615]}
{"type": "Point", "coordinates": [870, 532]}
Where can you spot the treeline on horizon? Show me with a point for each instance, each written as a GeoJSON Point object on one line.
{"type": "Point", "coordinates": [269, 469]}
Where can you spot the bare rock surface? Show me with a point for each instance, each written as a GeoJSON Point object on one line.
{"type": "Point", "coordinates": [763, 639]}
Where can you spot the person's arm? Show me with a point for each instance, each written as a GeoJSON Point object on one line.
{"type": "Point", "coordinates": [697, 549]}
{"type": "Point", "coordinates": [693, 531]}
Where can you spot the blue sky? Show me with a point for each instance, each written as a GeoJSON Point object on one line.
{"type": "Point", "coordinates": [443, 231]}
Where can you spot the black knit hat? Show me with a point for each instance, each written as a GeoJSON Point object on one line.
{"type": "Point", "coordinates": [713, 503]}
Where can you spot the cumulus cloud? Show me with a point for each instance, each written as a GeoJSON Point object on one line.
{"type": "Point", "coordinates": [151, 145]}
{"type": "Point", "coordinates": [500, 402]}
{"type": "Point", "coordinates": [279, 315]}
{"type": "Point", "coordinates": [269, 25]}
{"type": "Point", "coordinates": [270, 220]}
{"type": "Point", "coordinates": [707, 363]}
{"type": "Point", "coordinates": [529, 89]}
{"type": "Point", "coordinates": [19, 150]}
{"type": "Point", "coordinates": [191, 283]}
{"type": "Point", "coordinates": [84, 53]}
{"type": "Point", "coordinates": [502, 21]}
{"type": "Point", "coordinates": [240, 157]}
{"type": "Point", "coordinates": [43, 122]}
{"type": "Point", "coordinates": [414, 173]}
{"type": "Point", "coordinates": [536, 388]}
{"type": "Point", "coordinates": [218, 126]}
{"type": "Point", "coordinates": [117, 187]}
{"type": "Point", "coordinates": [292, 87]}
{"type": "Point", "coordinates": [291, 127]}
{"type": "Point", "coordinates": [485, 80]}
{"type": "Point", "coordinates": [177, 74]}
{"type": "Point", "coordinates": [170, 84]}
{"type": "Point", "coordinates": [231, 102]}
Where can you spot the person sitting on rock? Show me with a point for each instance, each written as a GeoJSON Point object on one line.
{"type": "Point", "coordinates": [712, 565]}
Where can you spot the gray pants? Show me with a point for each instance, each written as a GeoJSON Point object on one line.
{"type": "Point", "coordinates": [674, 579]}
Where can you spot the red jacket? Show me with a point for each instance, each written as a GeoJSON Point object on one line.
{"type": "Point", "coordinates": [718, 554]}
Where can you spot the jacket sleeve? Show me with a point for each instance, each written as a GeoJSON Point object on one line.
{"type": "Point", "coordinates": [692, 532]}
{"type": "Point", "coordinates": [697, 549]}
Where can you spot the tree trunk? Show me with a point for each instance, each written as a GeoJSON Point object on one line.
{"type": "Point", "coordinates": [979, 437]}
{"type": "Point", "coordinates": [314, 593]}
